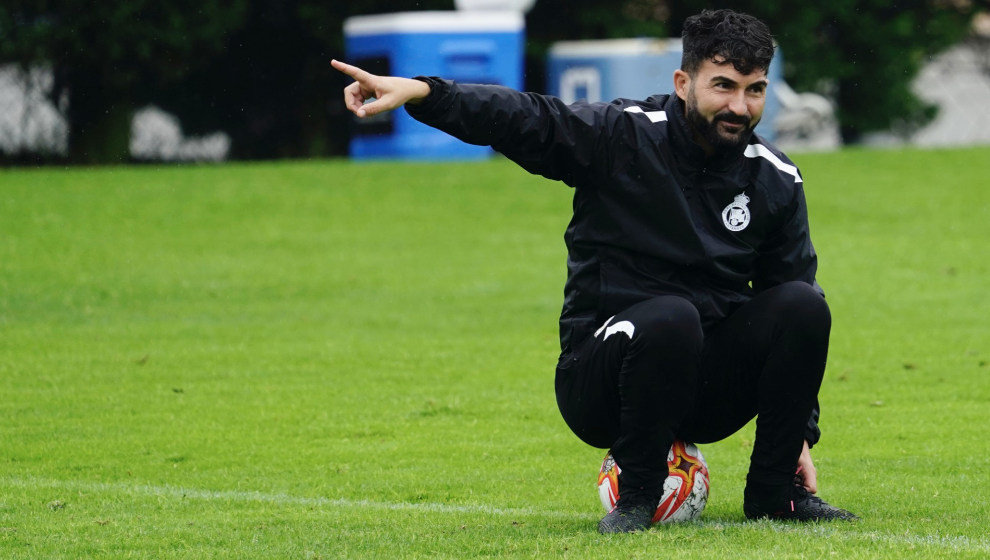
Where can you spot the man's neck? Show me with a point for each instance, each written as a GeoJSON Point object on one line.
{"type": "Point", "coordinates": [708, 149]}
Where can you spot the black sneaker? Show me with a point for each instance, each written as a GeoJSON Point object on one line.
{"type": "Point", "coordinates": [627, 518]}
{"type": "Point", "coordinates": [801, 506]}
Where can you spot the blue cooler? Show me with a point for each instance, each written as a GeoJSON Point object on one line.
{"type": "Point", "coordinates": [473, 47]}
{"type": "Point", "coordinates": [632, 68]}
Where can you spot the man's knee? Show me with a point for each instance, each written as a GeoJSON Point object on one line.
{"type": "Point", "coordinates": [669, 321]}
{"type": "Point", "coordinates": [800, 304]}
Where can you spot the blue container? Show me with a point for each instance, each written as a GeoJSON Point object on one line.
{"type": "Point", "coordinates": [471, 47]}
{"type": "Point", "coordinates": [632, 68]}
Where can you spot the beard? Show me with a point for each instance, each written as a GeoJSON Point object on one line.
{"type": "Point", "coordinates": [709, 131]}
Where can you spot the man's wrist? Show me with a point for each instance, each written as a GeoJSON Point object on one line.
{"type": "Point", "coordinates": [421, 90]}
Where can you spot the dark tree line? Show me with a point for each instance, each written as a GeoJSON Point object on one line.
{"type": "Point", "coordinates": [258, 69]}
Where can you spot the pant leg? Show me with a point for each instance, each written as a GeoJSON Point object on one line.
{"type": "Point", "coordinates": [626, 387]}
{"type": "Point", "coordinates": [766, 360]}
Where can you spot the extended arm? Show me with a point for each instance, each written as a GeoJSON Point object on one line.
{"type": "Point", "coordinates": [541, 133]}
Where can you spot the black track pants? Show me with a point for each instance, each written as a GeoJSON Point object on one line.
{"type": "Point", "coordinates": [651, 374]}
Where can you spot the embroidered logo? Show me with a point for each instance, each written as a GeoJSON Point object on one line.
{"type": "Point", "coordinates": [736, 214]}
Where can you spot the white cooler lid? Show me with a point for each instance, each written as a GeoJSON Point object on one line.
{"type": "Point", "coordinates": [435, 22]}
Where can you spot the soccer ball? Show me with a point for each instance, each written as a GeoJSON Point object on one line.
{"type": "Point", "coordinates": [685, 492]}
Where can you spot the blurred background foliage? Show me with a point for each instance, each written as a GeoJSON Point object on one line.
{"type": "Point", "coordinates": [259, 69]}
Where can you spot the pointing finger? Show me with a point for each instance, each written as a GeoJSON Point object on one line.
{"type": "Point", "coordinates": [352, 71]}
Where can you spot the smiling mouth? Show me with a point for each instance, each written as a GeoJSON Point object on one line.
{"type": "Point", "coordinates": [732, 126]}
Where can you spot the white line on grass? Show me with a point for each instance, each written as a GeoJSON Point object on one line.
{"type": "Point", "coordinates": [283, 499]}
{"type": "Point", "coordinates": [959, 543]}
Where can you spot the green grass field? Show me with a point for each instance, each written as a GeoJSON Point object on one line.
{"type": "Point", "coordinates": [339, 360]}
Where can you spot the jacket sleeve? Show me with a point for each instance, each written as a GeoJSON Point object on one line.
{"type": "Point", "coordinates": [788, 254]}
{"type": "Point", "coordinates": [541, 133]}
{"type": "Point", "coordinates": [812, 432]}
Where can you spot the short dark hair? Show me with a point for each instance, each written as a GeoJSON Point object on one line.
{"type": "Point", "coordinates": [738, 38]}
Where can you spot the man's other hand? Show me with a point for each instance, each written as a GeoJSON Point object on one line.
{"type": "Point", "coordinates": [389, 92]}
{"type": "Point", "coordinates": [806, 470]}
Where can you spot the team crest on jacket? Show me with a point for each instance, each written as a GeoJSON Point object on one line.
{"type": "Point", "coordinates": [736, 214]}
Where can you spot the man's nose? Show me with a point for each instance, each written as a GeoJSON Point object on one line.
{"type": "Point", "coordinates": [737, 103]}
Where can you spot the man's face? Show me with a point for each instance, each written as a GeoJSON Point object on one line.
{"type": "Point", "coordinates": [723, 106]}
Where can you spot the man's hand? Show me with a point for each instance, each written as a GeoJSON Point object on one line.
{"type": "Point", "coordinates": [806, 470]}
{"type": "Point", "coordinates": [389, 92]}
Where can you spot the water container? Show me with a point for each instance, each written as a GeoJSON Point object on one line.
{"type": "Point", "coordinates": [466, 46]}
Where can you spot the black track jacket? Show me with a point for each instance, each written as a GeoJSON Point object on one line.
{"type": "Point", "coordinates": [652, 215]}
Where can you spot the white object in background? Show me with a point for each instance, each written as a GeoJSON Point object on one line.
{"type": "Point", "coordinates": [806, 121]}
{"type": "Point", "coordinates": [495, 5]}
{"type": "Point", "coordinates": [157, 135]}
{"type": "Point", "coordinates": [447, 21]}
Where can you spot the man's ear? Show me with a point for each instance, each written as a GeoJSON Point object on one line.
{"type": "Point", "coordinates": [682, 82]}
